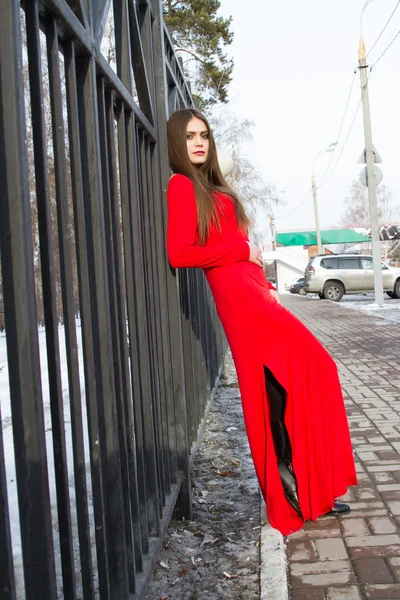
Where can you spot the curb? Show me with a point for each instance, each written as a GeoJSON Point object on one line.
{"type": "Point", "coordinates": [273, 562]}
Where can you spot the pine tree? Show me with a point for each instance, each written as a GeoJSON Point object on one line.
{"type": "Point", "coordinates": [201, 35]}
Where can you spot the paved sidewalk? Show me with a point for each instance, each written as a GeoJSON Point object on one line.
{"type": "Point", "coordinates": [357, 556]}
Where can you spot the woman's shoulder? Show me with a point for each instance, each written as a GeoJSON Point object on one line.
{"type": "Point", "coordinates": [180, 186]}
{"type": "Point", "coordinates": [178, 180]}
{"type": "Point", "coordinates": [181, 193]}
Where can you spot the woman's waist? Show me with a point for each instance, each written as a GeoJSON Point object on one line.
{"type": "Point", "coordinates": [235, 272]}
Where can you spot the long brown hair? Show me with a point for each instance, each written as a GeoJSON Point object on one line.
{"type": "Point", "coordinates": [207, 178]}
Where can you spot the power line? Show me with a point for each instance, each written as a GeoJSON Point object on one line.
{"type": "Point", "coordinates": [395, 28]}
{"type": "Point", "coordinates": [343, 147]}
{"type": "Point", "coordinates": [386, 49]}
{"type": "Point", "coordinates": [337, 138]}
{"type": "Point", "coordinates": [387, 23]}
{"type": "Point", "coordinates": [359, 104]}
{"type": "Point", "coordinates": [224, 104]}
{"type": "Point", "coordinates": [342, 123]}
{"type": "Point", "coordinates": [325, 177]}
{"type": "Point", "coordinates": [294, 209]}
{"type": "Point", "coordinates": [338, 135]}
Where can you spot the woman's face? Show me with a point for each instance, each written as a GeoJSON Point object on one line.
{"type": "Point", "coordinates": [197, 141]}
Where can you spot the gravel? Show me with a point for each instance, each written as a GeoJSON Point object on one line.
{"type": "Point", "coordinates": [216, 556]}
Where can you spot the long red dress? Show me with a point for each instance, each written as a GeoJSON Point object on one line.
{"type": "Point", "coordinates": [261, 332]}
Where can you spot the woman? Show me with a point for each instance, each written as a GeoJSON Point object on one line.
{"type": "Point", "coordinates": [292, 401]}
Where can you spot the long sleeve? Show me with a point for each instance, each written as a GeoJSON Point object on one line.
{"type": "Point", "coordinates": [183, 251]}
{"type": "Point", "coordinates": [271, 286]}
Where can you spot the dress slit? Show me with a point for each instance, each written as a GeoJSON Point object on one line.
{"type": "Point", "coordinates": [276, 396]}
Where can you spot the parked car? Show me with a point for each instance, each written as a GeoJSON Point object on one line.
{"type": "Point", "coordinates": [297, 287]}
{"type": "Point", "coordinates": [331, 276]}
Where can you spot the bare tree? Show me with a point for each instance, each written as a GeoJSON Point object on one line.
{"type": "Point", "coordinates": [259, 198]}
{"type": "Point", "coordinates": [357, 212]}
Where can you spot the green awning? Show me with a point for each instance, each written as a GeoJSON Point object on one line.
{"type": "Point", "coordinates": [329, 236]}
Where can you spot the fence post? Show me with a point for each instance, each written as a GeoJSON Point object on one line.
{"type": "Point", "coordinates": [100, 304]}
{"type": "Point", "coordinates": [184, 503]}
{"type": "Point", "coordinates": [20, 317]}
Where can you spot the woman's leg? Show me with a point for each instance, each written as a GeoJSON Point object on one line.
{"type": "Point", "coordinates": [283, 449]}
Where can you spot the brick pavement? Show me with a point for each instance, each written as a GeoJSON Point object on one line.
{"type": "Point", "coordinates": [357, 556]}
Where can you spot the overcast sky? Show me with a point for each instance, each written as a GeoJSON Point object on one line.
{"type": "Point", "coordinates": [294, 65]}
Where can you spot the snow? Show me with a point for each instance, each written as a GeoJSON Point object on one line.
{"type": "Point", "coordinates": [389, 311]}
{"type": "Point", "coordinates": [10, 461]}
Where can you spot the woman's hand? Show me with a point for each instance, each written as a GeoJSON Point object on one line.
{"type": "Point", "coordinates": [275, 296]}
{"type": "Point", "coordinates": [255, 255]}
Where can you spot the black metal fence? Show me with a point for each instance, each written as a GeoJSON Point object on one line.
{"type": "Point", "coordinates": [107, 399]}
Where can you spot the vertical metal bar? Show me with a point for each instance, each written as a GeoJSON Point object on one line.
{"type": "Point", "coordinates": [196, 340]}
{"type": "Point", "coordinates": [196, 332]}
{"type": "Point", "coordinates": [144, 22]}
{"type": "Point", "coordinates": [184, 504]}
{"type": "Point", "coordinates": [223, 345]}
{"type": "Point", "coordinates": [157, 282]}
{"type": "Point", "coordinates": [104, 371]}
{"type": "Point", "coordinates": [122, 43]}
{"type": "Point", "coordinates": [211, 335]}
{"type": "Point", "coordinates": [50, 298]}
{"type": "Point", "coordinates": [172, 98]}
{"type": "Point", "coordinates": [193, 400]}
{"type": "Point", "coordinates": [96, 458]}
{"type": "Point", "coordinates": [149, 42]}
{"type": "Point", "coordinates": [90, 11]}
{"type": "Point", "coordinates": [140, 64]}
{"type": "Point", "coordinates": [184, 287]}
{"type": "Point", "coordinates": [117, 309]}
{"type": "Point", "coordinates": [208, 337]}
{"type": "Point", "coordinates": [69, 306]}
{"type": "Point", "coordinates": [158, 225]}
{"type": "Point", "coordinates": [7, 580]}
{"type": "Point", "coordinates": [203, 339]}
{"type": "Point", "coordinates": [20, 316]}
{"type": "Point", "coordinates": [218, 338]}
{"type": "Point", "coordinates": [147, 406]}
{"type": "Point", "coordinates": [136, 342]}
{"type": "Point", "coordinates": [151, 312]}
{"type": "Point", "coordinates": [203, 342]}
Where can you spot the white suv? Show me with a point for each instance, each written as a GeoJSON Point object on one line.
{"type": "Point", "coordinates": [332, 275]}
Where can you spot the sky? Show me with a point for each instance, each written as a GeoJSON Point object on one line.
{"type": "Point", "coordinates": [294, 69]}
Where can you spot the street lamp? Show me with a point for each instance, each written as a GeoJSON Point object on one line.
{"type": "Point", "coordinates": [330, 148]}
{"type": "Point", "coordinates": [370, 160]}
{"type": "Point", "coordinates": [362, 14]}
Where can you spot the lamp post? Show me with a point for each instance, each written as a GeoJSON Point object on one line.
{"type": "Point", "coordinates": [330, 148]}
{"type": "Point", "coordinates": [370, 160]}
{"type": "Point", "coordinates": [273, 232]}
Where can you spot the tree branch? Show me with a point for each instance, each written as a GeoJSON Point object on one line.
{"type": "Point", "coordinates": [192, 53]}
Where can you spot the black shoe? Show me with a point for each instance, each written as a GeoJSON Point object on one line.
{"type": "Point", "coordinates": [339, 508]}
{"type": "Point", "coordinates": [289, 485]}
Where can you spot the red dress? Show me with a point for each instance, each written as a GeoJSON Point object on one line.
{"type": "Point", "coordinates": [261, 332]}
